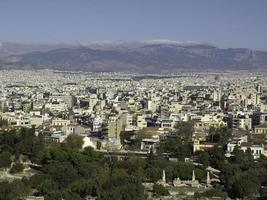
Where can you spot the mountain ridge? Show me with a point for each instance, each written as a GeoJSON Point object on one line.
{"type": "Point", "coordinates": [150, 56]}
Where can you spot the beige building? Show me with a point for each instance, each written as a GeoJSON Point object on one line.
{"type": "Point", "coordinates": [141, 121]}
{"type": "Point", "coordinates": [151, 105]}
{"type": "Point", "coordinates": [260, 129]}
{"type": "Point", "coordinates": [60, 122]}
{"type": "Point", "coordinates": [116, 124]}
{"type": "Point", "coordinates": [201, 146]}
{"type": "Point", "coordinates": [217, 95]}
{"type": "Point", "coordinates": [17, 119]}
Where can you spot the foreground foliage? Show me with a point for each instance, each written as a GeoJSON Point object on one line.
{"type": "Point", "coordinates": [68, 172]}
{"type": "Point", "coordinates": [71, 173]}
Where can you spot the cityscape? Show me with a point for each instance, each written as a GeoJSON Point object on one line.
{"type": "Point", "coordinates": [192, 128]}
{"type": "Point", "coordinates": [83, 117]}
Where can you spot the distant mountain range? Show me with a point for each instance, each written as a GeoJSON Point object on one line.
{"type": "Point", "coordinates": [153, 56]}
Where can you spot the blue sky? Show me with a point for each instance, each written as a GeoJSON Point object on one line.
{"type": "Point", "coordinates": [225, 23]}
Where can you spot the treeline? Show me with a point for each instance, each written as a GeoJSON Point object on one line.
{"type": "Point", "coordinates": [69, 173]}
{"type": "Point", "coordinates": [241, 175]}
{"type": "Point", "coordinates": [66, 172]}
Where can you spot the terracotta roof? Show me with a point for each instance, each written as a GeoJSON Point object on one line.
{"type": "Point", "coordinates": [246, 144]}
{"type": "Point", "coordinates": [258, 136]}
{"type": "Point", "coordinates": [261, 126]}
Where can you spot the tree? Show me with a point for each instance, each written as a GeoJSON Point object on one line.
{"type": "Point", "coordinates": [216, 157]}
{"type": "Point", "coordinates": [160, 190]}
{"type": "Point", "coordinates": [42, 182]}
{"type": "Point", "coordinates": [263, 193]}
{"type": "Point", "coordinates": [135, 166]}
{"type": "Point", "coordinates": [16, 168]}
{"type": "Point", "coordinates": [18, 189]}
{"type": "Point", "coordinates": [214, 192]}
{"type": "Point", "coordinates": [203, 157]}
{"type": "Point", "coordinates": [5, 159]}
{"type": "Point", "coordinates": [92, 155]}
{"type": "Point", "coordinates": [53, 195]}
{"type": "Point", "coordinates": [185, 130]}
{"type": "Point", "coordinates": [219, 135]}
{"type": "Point", "coordinates": [179, 143]}
{"type": "Point", "coordinates": [246, 185]}
{"type": "Point", "coordinates": [62, 173]}
{"type": "Point", "coordinates": [69, 195]}
{"type": "Point", "coordinates": [74, 141]}
{"type": "Point", "coordinates": [122, 188]}
{"type": "Point", "coordinates": [176, 147]}
{"type": "Point", "coordinates": [82, 187]}
{"type": "Point", "coordinates": [244, 159]}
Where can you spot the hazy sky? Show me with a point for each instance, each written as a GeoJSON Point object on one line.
{"type": "Point", "coordinates": [226, 23]}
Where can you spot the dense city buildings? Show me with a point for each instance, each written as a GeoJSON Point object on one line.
{"type": "Point", "coordinates": [182, 119]}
